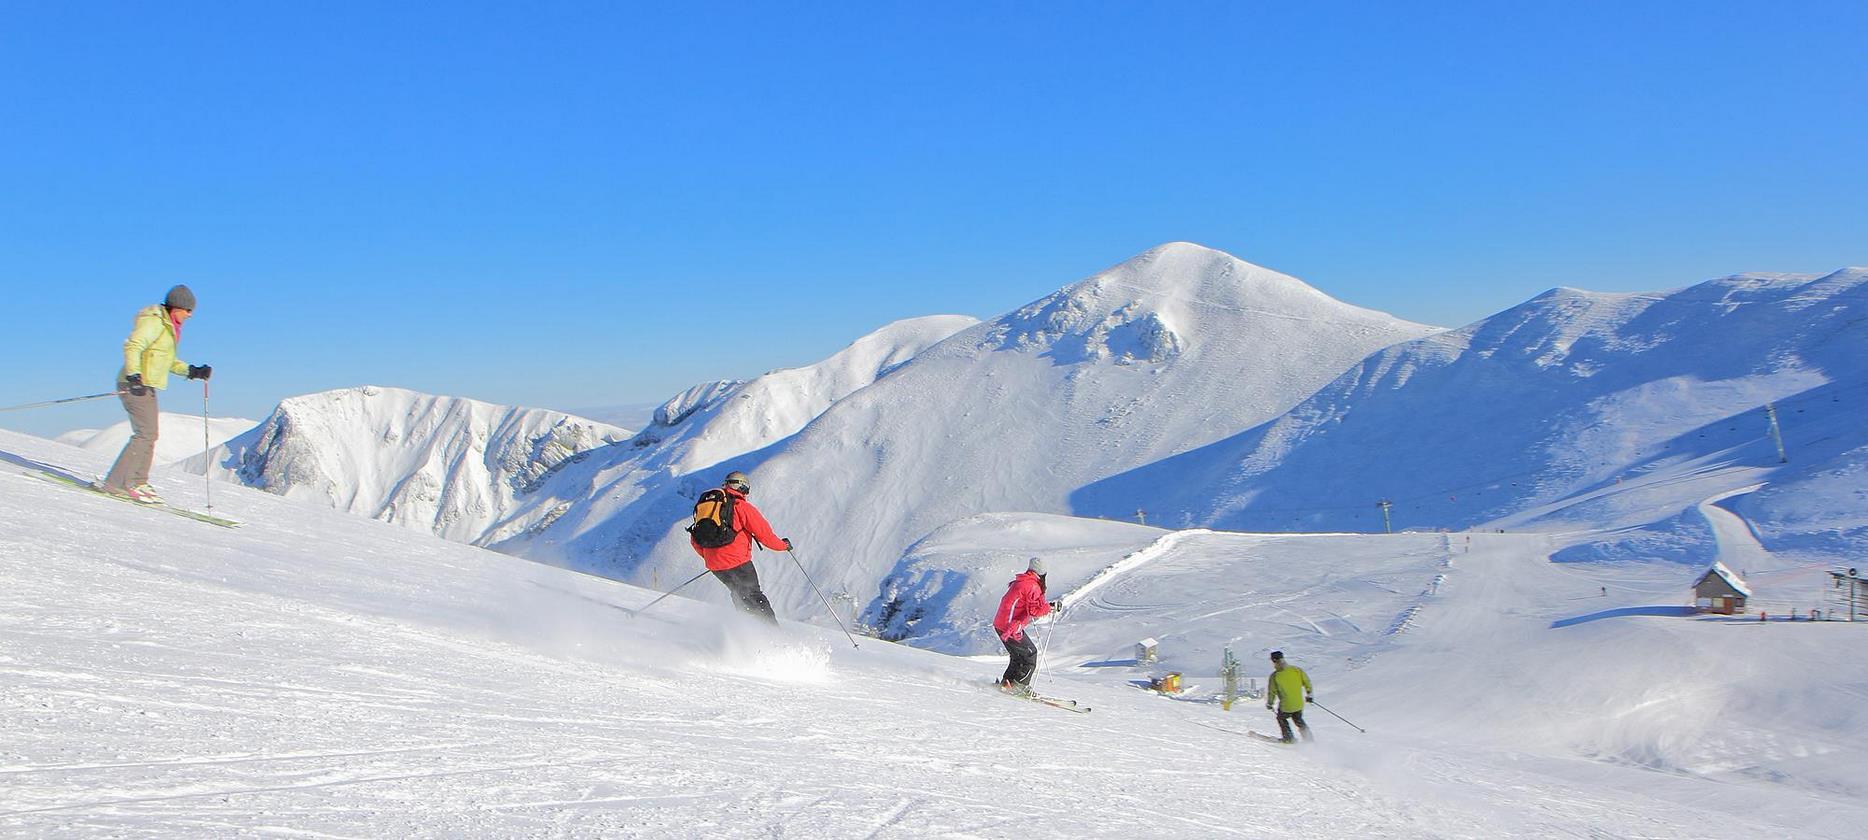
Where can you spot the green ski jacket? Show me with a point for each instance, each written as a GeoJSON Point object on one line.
{"type": "Point", "coordinates": [1291, 685]}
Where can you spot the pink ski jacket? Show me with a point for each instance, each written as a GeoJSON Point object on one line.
{"type": "Point", "coordinates": [1023, 601]}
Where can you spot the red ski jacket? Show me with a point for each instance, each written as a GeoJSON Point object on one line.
{"type": "Point", "coordinates": [1023, 601]}
{"type": "Point", "coordinates": [749, 524]}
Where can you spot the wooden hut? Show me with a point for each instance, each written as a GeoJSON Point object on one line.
{"type": "Point", "coordinates": [1720, 590]}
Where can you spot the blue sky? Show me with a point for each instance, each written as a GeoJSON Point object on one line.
{"type": "Point", "coordinates": [572, 205]}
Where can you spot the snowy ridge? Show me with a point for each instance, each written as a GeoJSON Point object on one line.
{"type": "Point", "coordinates": [666, 465]}
{"type": "Point", "coordinates": [1573, 398]}
{"type": "Point", "coordinates": [447, 465]}
{"type": "Point", "coordinates": [718, 420]}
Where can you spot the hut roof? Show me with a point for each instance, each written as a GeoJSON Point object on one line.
{"type": "Point", "coordinates": [1731, 578]}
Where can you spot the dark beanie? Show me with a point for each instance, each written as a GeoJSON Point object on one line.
{"type": "Point", "coordinates": [180, 298]}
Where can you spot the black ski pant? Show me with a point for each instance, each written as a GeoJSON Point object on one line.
{"type": "Point", "coordinates": [1285, 719]}
{"type": "Point", "coordinates": [743, 581]}
{"type": "Point", "coordinates": [1024, 660]}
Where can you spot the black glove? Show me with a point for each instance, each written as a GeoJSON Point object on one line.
{"type": "Point", "coordinates": [787, 543]}
{"type": "Point", "coordinates": [201, 372]}
{"type": "Point", "coordinates": [1057, 605]}
{"type": "Point", "coordinates": [1309, 699]}
{"type": "Point", "coordinates": [134, 382]}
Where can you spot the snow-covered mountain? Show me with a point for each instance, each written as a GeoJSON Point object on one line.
{"type": "Point", "coordinates": [1173, 349]}
{"type": "Point", "coordinates": [178, 436]}
{"type": "Point", "coordinates": [712, 422]}
{"type": "Point", "coordinates": [691, 433]}
{"type": "Point", "coordinates": [447, 465]}
{"type": "Point", "coordinates": [1562, 409]}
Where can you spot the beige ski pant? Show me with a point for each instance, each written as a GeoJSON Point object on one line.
{"type": "Point", "coordinates": [132, 467]}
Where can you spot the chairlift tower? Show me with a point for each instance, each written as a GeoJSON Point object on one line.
{"type": "Point", "coordinates": [1229, 673]}
{"type": "Point", "coordinates": [1387, 526]}
{"type": "Point", "coordinates": [1777, 434]}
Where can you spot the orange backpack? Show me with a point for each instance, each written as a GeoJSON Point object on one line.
{"type": "Point", "coordinates": [713, 520]}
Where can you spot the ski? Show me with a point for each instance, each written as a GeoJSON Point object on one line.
{"type": "Point", "coordinates": [1058, 702]}
{"type": "Point", "coordinates": [67, 481]}
{"type": "Point", "coordinates": [1249, 733]}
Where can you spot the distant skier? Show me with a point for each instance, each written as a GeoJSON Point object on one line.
{"type": "Point", "coordinates": [148, 359]}
{"type": "Point", "coordinates": [726, 512]}
{"type": "Point", "coordinates": [1289, 690]}
{"type": "Point", "coordinates": [1023, 603]}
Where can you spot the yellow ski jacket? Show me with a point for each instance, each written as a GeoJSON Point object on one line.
{"type": "Point", "coordinates": [150, 349]}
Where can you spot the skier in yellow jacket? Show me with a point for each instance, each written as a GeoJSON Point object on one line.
{"type": "Point", "coordinates": [148, 359]}
{"type": "Point", "coordinates": [1289, 688]}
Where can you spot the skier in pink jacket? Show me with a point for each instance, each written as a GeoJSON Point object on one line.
{"type": "Point", "coordinates": [1023, 603]}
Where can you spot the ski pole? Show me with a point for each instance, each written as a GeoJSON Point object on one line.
{"type": "Point", "coordinates": [1339, 717]}
{"type": "Point", "coordinates": [207, 466]}
{"type": "Point", "coordinates": [59, 402]}
{"type": "Point", "coordinates": [645, 607]}
{"type": "Point", "coordinates": [820, 596]}
{"type": "Point", "coordinates": [1055, 624]}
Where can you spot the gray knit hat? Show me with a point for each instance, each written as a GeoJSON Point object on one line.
{"type": "Point", "coordinates": [180, 297]}
{"type": "Point", "coordinates": [1037, 565]}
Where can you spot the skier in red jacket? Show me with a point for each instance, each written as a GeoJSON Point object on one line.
{"type": "Point", "coordinates": [1023, 602]}
{"type": "Point", "coordinates": [732, 563]}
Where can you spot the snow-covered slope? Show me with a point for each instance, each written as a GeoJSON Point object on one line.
{"type": "Point", "coordinates": [447, 465]}
{"type": "Point", "coordinates": [178, 436]}
{"type": "Point", "coordinates": [1170, 350]}
{"type": "Point", "coordinates": [690, 435]}
{"type": "Point", "coordinates": [1563, 409]}
{"type": "Point", "coordinates": [318, 674]}
{"type": "Point", "coordinates": [710, 423]}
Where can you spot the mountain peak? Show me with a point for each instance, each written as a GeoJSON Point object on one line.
{"type": "Point", "coordinates": [1152, 306]}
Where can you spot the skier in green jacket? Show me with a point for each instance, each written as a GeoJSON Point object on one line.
{"type": "Point", "coordinates": [148, 359]}
{"type": "Point", "coordinates": [1288, 688]}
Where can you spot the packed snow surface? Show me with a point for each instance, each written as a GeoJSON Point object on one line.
{"type": "Point", "coordinates": [318, 674]}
